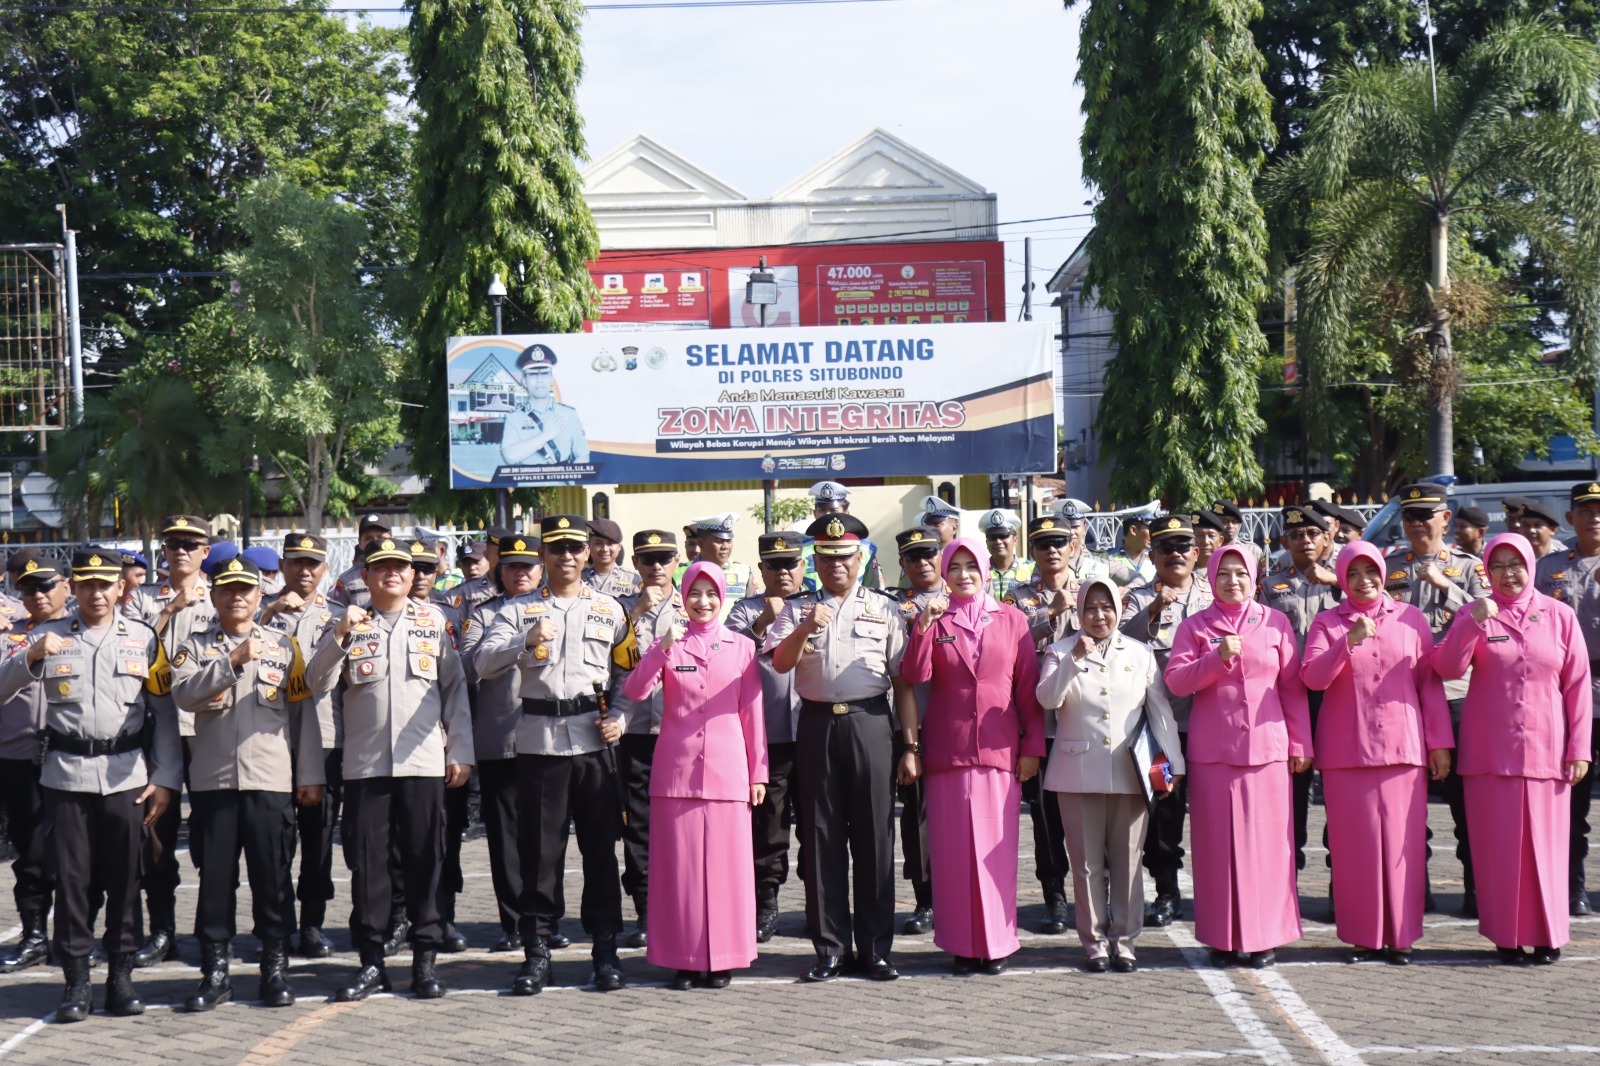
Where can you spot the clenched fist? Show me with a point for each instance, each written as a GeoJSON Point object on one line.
{"type": "Point", "coordinates": [1362, 628]}
{"type": "Point", "coordinates": [542, 632]}
{"type": "Point", "coordinates": [1231, 646]}
{"type": "Point", "coordinates": [1084, 645]}
{"type": "Point", "coordinates": [932, 610]}
{"type": "Point", "coordinates": [1435, 577]}
{"type": "Point", "coordinates": [1321, 575]}
{"type": "Point", "coordinates": [1060, 604]}
{"type": "Point", "coordinates": [352, 617]}
{"type": "Point", "coordinates": [817, 617]}
{"type": "Point", "coordinates": [649, 597]}
{"type": "Point", "coordinates": [1484, 609]}
{"type": "Point", "coordinates": [674, 635]}
{"type": "Point", "coordinates": [48, 644]}
{"type": "Point", "coordinates": [248, 651]}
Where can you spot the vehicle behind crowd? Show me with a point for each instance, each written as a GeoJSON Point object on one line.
{"type": "Point", "coordinates": [1383, 529]}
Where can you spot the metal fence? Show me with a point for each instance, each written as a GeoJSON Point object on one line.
{"type": "Point", "coordinates": [35, 388]}
{"type": "Point", "coordinates": [1262, 525]}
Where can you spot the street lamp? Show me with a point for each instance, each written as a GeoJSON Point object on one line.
{"type": "Point", "coordinates": [502, 498]}
{"type": "Point", "coordinates": [761, 289]}
{"type": "Point", "coordinates": [1477, 463]}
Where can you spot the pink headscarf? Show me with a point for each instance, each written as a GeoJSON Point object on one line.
{"type": "Point", "coordinates": [1361, 549]}
{"type": "Point", "coordinates": [966, 612]}
{"type": "Point", "coordinates": [1232, 615]}
{"type": "Point", "coordinates": [701, 635]}
{"type": "Point", "coordinates": [1514, 606]}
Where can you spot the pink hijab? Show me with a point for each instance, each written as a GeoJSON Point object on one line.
{"type": "Point", "coordinates": [967, 613]}
{"type": "Point", "coordinates": [1235, 618]}
{"type": "Point", "coordinates": [1514, 607]}
{"type": "Point", "coordinates": [1361, 549]}
{"type": "Point", "coordinates": [701, 635]}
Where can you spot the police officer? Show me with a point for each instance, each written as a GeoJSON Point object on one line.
{"type": "Point", "coordinates": [830, 497]}
{"type": "Point", "coordinates": [715, 537]}
{"type": "Point", "coordinates": [1345, 524]}
{"type": "Point", "coordinates": [603, 574]}
{"type": "Point", "coordinates": [1208, 533]}
{"type": "Point", "coordinates": [941, 517]}
{"type": "Point", "coordinates": [407, 737]}
{"type": "Point", "coordinates": [919, 564]}
{"type": "Point", "coordinates": [475, 592]}
{"type": "Point", "coordinates": [1000, 528]}
{"type": "Point", "coordinates": [1540, 524]}
{"type": "Point", "coordinates": [542, 432]}
{"type": "Point", "coordinates": [1133, 565]}
{"type": "Point", "coordinates": [1573, 577]}
{"type": "Point", "coordinates": [1232, 524]}
{"type": "Point", "coordinates": [563, 645]}
{"type": "Point", "coordinates": [43, 596]}
{"type": "Point", "coordinates": [256, 752]}
{"type": "Point", "coordinates": [1471, 529]}
{"type": "Point", "coordinates": [844, 644]}
{"type": "Point", "coordinates": [110, 765]}
{"type": "Point", "coordinates": [179, 608]}
{"type": "Point", "coordinates": [1302, 588]}
{"type": "Point", "coordinates": [472, 560]}
{"type": "Point", "coordinates": [1152, 613]}
{"type": "Point", "coordinates": [349, 587]}
{"type": "Point", "coordinates": [304, 613]}
{"type": "Point", "coordinates": [753, 616]}
{"type": "Point", "coordinates": [270, 564]}
{"type": "Point", "coordinates": [135, 568]}
{"type": "Point", "coordinates": [652, 611]}
{"type": "Point", "coordinates": [1439, 580]}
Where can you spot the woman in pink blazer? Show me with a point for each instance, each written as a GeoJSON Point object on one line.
{"type": "Point", "coordinates": [1383, 729]}
{"type": "Point", "coordinates": [1524, 744]}
{"type": "Point", "coordinates": [1249, 728]}
{"type": "Point", "coordinates": [981, 737]}
{"type": "Point", "coordinates": [710, 770]}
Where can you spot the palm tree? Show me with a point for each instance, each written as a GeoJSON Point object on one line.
{"type": "Point", "coordinates": [1398, 159]}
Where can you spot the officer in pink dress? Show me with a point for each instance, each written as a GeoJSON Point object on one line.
{"type": "Point", "coordinates": [1248, 730]}
{"type": "Point", "coordinates": [1383, 729]}
{"type": "Point", "coordinates": [981, 737]}
{"type": "Point", "coordinates": [710, 769]}
{"type": "Point", "coordinates": [1525, 731]}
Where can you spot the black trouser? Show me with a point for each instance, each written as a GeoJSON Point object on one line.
{"type": "Point", "coordinates": [158, 867]}
{"type": "Point", "coordinates": [24, 807]}
{"type": "Point", "coordinates": [550, 790]}
{"type": "Point", "coordinates": [1163, 841]}
{"type": "Point", "coordinates": [1456, 798]}
{"type": "Point", "coordinates": [451, 883]}
{"type": "Point", "coordinates": [262, 825]}
{"type": "Point", "coordinates": [1582, 794]}
{"type": "Point", "coordinates": [497, 784]}
{"type": "Point", "coordinates": [1049, 839]}
{"type": "Point", "coordinates": [1301, 783]}
{"type": "Point", "coordinates": [769, 826]}
{"type": "Point", "coordinates": [316, 824]}
{"type": "Point", "coordinates": [636, 754]}
{"type": "Point", "coordinates": [913, 832]}
{"type": "Point", "coordinates": [94, 843]}
{"type": "Point", "coordinates": [846, 764]}
{"type": "Point", "coordinates": [380, 812]}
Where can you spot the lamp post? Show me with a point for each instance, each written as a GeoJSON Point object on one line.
{"type": "Point", "coordinates": [1477, 463]}
{"type": "Point", "coordinates": [502, 498]}
{"type": "Point", "coordinates": [761, 289]}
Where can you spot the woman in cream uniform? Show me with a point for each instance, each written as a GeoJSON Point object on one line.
{"type": "Point", "coordinates": [1103, 685]}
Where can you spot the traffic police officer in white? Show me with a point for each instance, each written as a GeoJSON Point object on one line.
{"type": "Point", "coordinates": [1006, 567]}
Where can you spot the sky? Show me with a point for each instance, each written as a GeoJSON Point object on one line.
{"type": "Point", "coordinates": [759, 95]}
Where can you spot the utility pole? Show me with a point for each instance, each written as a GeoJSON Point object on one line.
{"type": "Point", "coordinates": [502, 497]}
{"type": "Point", "coordinates": [762, 290]}
{"type": "Point", "coordinates": [74, 343]}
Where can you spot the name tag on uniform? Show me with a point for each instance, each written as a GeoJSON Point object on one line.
{"type": "Point", "coordinates": [1215, 640]}
{"type": "Point", "coordinates": [944, 640]}
{"type": "Point", "coordinates": [686, 669]}
{"type": "Point", "coordinates": [1498, 639]}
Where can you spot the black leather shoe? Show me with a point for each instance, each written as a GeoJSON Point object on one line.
{"type": "Point", "coordinates": [607, 970]}
{"type": "Point", "coordinates": [1056, 922]}
{"type": "Point", "coordinates": [1355, 955]}
{"type": "Point", "coordinates": [1397, 956]}
{"type": "Point", "coordinates": [683, 980]}
{"type": "Point", "coordinates": [766, 922]}
{"type": "Point", "coordinates": [399, 934]}
{"type": "Point", "coordinates": [534, 973]}
{"type": "Point", "coordinates": [557, 941]}
{"type": "Point", "coordinates": [995, 967]}
{"type": "Point", "coordinates": [826, 968]}
{"type": "Point", "coordinates": [120, 999]}
{"type": "Point", "coordinates": [78, 1001]}
{"type": "Point", "coordinates": [1124, 964]}
{"type": "Point", "coordinates": [640, 937]}
{"type": "Point", "coordinates": [1162, 910]}
{"type": "Point", "coordinates": [507, 942]}
{"type": "Point", "coordinates": [1469, 903]}
{"type": "Point", "coordinates": [1260, 960]}
{"type": "Point", "coordinates": [878, 968]}
{"type": "Point", "coordinates": [273, 990]}
{"type": "Point", "coordinates": [1222, 959]}
{"type": "Point", "coordinates": [719, 979]}
{"type": "Point", "coordinates": [215, 987]}
{"type": "Point", "coordinates": [33, 948]}
{"type": "Point", "coordinates": [1097, 964]}
{"type": "Point", "coordinates": [424, 978]}
{"type": "Point", "coordinates": [161, 947]}
{"type": "Point", "coordinates": [372, 977]}
{"type": "Point", "coordinates": [1579, 903]}
{"type": "Point", "coordinates": [313, 945]}
{"type": "Point", "coordinates": [452, 942]}
{"type": "Point", "coordinates": [1543, 956]}
{"type": "Point", "coordinates": [1511, 956]}
{"type": "Point", "coordinates": [961, 965]}
{"type": "Point", "coordinates": [920, 922]}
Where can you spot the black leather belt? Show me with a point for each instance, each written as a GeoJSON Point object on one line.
{"type": "Point", "coordinates": [561, 708]}
{"type": "Point", "coordinates": [73, 744]}
{"type": "Point", "coordinates": [870, 705]}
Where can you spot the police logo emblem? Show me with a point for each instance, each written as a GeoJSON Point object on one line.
{"type": "Point", "coordinates": [387, 545]}
{"type": "Point", "coordinates": [563, 524]}
{"type": "Point", "coordinates": [235, 566]}
{"type": "Point", "coordinates": [424, 663]}
{"type": "Point", "coordinates": [541, 652]}
{"type": "Point", "coordinates": [780, 545]}
{"type": "Point", "coordinates": [915, 537]}
{"type": "Point", "coordinates": [519, 545]}
{"type": "Point", "coordinates": [654, 538]}
{"type": "Point", "coordinates": [366, 668]}
{"type": "Point", "coordinates": [270, 694]}
{"type": "Point", "coordinates": [1047, 524]}
{"type": "Point", "coordinates": [307, 542]}
{"type": "Point", "coordinates": [94, 560]}
{"type": "Point", "coordinates": [65, 688]}
{"type": "Point", "coordinates": [31, 567]}
{"type": "Point", "coordinates": [1174, 523]}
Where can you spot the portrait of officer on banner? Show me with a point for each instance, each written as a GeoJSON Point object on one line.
{"type": "Point", "coordinates": [542, 432]}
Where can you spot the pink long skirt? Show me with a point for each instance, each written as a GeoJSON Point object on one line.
{"type": "Point", "coordinates": [1518, 827]}
{"type": "Point", "coordinates": [972, 857]}
{"type": "Point", "coordinates": [1377, 834]}
{"type": "Point", "coordinates": [702, 897]}
{"type": "Point", "coordinates": [1241, 828]}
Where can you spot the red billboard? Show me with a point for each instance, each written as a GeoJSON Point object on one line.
{"type": "Point", "coordinates": [818, 285]}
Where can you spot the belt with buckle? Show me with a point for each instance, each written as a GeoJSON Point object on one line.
{"type": "Point", "coordinates": [870, 705]}
{"type": "Point", "coordinates": [88, 747]}
{"type": "Point", "coordinates": [561, 708]}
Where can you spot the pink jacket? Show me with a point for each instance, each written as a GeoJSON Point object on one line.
{"type": "Point", "coordinates": [713, 742]}
{"type": "Point", "coordinates": [1384, 705]}
{"type": "Point", "coordinates": [1529, 709]}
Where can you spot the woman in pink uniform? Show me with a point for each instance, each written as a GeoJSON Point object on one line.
{"type": "Point", "coordinates": [981, 737]}
{"type": "Point", "coordinates": [1249, 728]}
{"type": "Point", "coordinates": [1383, 729]}
{"type": "Point", "coordinates": [710, 770]}
{"type": "Point", "coordinates": [1524, 744]}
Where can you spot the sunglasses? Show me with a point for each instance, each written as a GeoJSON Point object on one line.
{"type": "Point", "coordinates": [565, 547]}
{"type": "Point", "coordinates": [656, 559]}
{"type": "Point", "coordinates": [38, 588]}
{"type": "Point", "coordinates": [780, 563]}
{"type": "Point", "coordinates": [920, 555]}
{"type": "Point", "coordinates": [175, 545]}
{"type": "Point", "coordinates": [1416, 515]}
{"type": "Point", "coordinates": [1051, 542]}
{"type": "Point", "coordinates": [1173, 547]}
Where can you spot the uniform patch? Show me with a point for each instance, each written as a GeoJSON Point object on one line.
{"type": "Point", "coordinates": [1452, 571]}
{"type": "Point", "coordinates": [270, 693]}
{"type": "Point", "coordinates": [689, 669]}
{"type": "Point", "coordinates": [65, 669]}
{"type": "Point", "coordinates": [357, 650]}
{"type": "Point", "coordinates": [424, 663]}
{"type": "Point", "coordinates": [1282, 586]}
{"type": "Point", "coordinates": [425, 646]}
{"type": "Point", "coordinates": [65, 688]}
{"type": "Point", "coordinates": [944, 640]}
{"type": "Point", "coordinates": [366, 668]}
{"type": "Point", "coordinates": [541, 652]}
{"type": "Point", "coordinates": [273, 676]}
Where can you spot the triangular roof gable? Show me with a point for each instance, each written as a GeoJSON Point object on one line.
{"type": "Point", "coordinates": [491, 371]}
{"type": "Point", "coordinates": [875, 165]}
{"type": "Point", "coordinates": [644, 171]}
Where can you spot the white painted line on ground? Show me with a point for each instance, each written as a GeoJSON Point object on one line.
{"type": "Point", "coordinates": [1230, 999]}
{"type": "Point", "coordinates": [1310, 1024]}
{"type": "Point", "coordinates": [11, 1045]}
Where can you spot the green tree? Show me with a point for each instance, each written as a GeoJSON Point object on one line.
{"type": "Point", "coordinates": [1177, 123]}
{"type": "Point", "coordinates": [1503, 152]}
{"type": "Point", "coordinates": [497, 192]}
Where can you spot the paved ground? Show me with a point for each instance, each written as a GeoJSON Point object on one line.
{"type": "Point", "coordinates": [1455, 1005]}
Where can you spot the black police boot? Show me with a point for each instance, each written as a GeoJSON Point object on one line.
{"type": "Point", "coordinates": [163, 943]}
{"type": "Point", "coordinates": [34, 947]}
{"type": "Point", "coordinates": [215, 987]}
{"type": "Point", "coordinates": [510, 940]}
{"type": "Point", "coordinates": [534, 973]}
{"type": "Point", "coordinates": [78, 1002]}
{"type": "Point", "coordinates": [313, 944]}
{"type": "Point", "coordinates": [371, 978]}
{"type": "Point", "coordinates": [273, 990]}
{"type": "Point", "coordinates": [920, 922]}
{"type": "Point", "coordinates": [1055, 901]}
{"type": "Point", "coordinates": [607, 969]}
{"type": "Point", "coordinates": [424, 980]}
{"type": "Point", "coordinates": [558, 940]}
{"type": "Point", "coordinates": [1163, 910]}
{"type": "Point", "coordinates": [399, 933]}
{"type": "Point", "coordinates": [766, 919]}
{"type": "Point", "coordinates": [452, 941]}
{"type": "Point", "coordinates": [120, 1000]}
{"type": "Point", "coordinates": [640, 935]}
{"type": "Point", "coordinates": [1577, 894]}
{"type": "Point", "coordinates": [1469, 902]}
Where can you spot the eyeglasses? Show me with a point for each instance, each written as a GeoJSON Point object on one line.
{"type": "Point", "coordinates": [1515, 566]}
{"type": "Point", "coordinates": [920, 555]}
{"type": "Point", "coordinates": [781, 563]}
{"type": "Point", "coordinates": [173, 544]}
{"type": "Point", "coordinates": [656, 559]}
{"type": "Point", "coordinates": [1000, 534]}
{"type": "Point", "coordinates": [1414, 514]}
{"type": "Point", "coordinates": [38, 588]}
{"type": "Point", "coordinates": [1054, 543]}
{"type": "Point", "coordinates": [1173, 547]}
{"type": "Point", "coordinates": [564, 547]}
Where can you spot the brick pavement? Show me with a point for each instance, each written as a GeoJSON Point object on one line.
{"type": "Point", "coordinates": [1455, 1005]}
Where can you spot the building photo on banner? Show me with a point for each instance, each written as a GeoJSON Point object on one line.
{"type": "Point", "coordinates": [750, 404]}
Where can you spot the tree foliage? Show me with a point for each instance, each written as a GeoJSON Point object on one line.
{"type": "Point", "coordinates": [1177, 124]}
{"type": "Point", "coordinates": [497, 192]}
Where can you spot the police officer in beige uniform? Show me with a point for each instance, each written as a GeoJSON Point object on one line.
{"type": "Point", "coordinates": [257, 750]}
{"type": "Point", "coordinates": [844, 643]}
{"type": "Point", "coordinates": [1232, 525]}
{"type": "Point", "coordinates": [1573, 577]}
{"type": "Point", "coordinates": [919, 562]}
{"type": "Point", "coordinates": [1439, 580]}
{"type": "Point", "coordinates": [563, 646]}
{"type": "Point", "coordinates": [350, 588]}
{"type": "Point", "coordinates": [304, 613]}
{"type": "Point", "coordinates": [407, 737]}
{"type": "Point", "coordinates": [1152, 613]}
{"type": "Point", "coordinates": [111, 764]}
{"type": "Point", "coordinates": [604, 573]}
